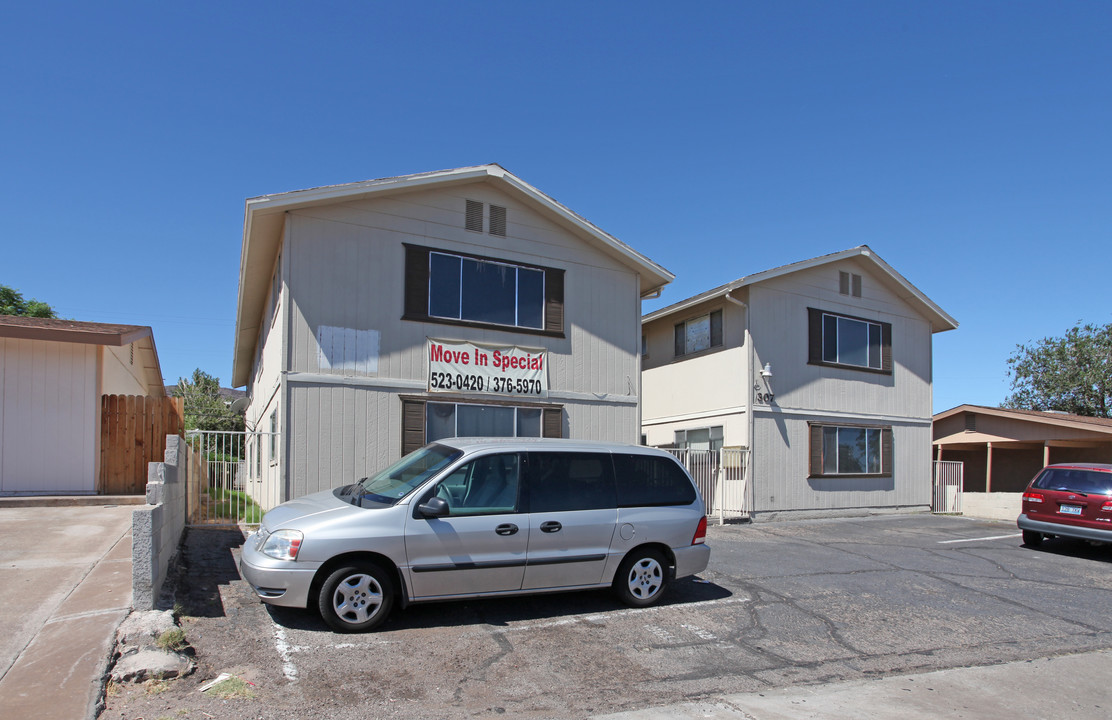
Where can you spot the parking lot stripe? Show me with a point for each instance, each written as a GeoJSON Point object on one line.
{"type": "Point", "coordinates": [990, 537]}
{"type": "Point", "coordinates": [282, 645]}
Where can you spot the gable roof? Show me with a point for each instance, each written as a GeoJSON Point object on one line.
{"type": "Point", "coordinates": [264, 220]}
{"type": "Point", "coordinates": [1079, 422]}
{"type": "Point", "coordinates": [938, 318]}
{"type": "Point", "coordinates": [90, 333]}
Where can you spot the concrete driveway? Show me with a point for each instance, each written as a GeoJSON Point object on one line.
{"type": "Point", "coordinates": [65, 586]}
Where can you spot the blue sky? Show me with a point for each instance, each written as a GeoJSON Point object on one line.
{"type": "Point", "coordinates": [968, 143]}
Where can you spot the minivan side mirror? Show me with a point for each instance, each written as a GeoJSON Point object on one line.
{"type": "Point", "coordinates": [434, 507]}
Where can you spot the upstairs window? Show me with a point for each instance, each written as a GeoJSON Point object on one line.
{"type": "Point", "coordinates": [454, 288]}
{"type": "Point", "coordinates": [462, 288]}
{"type": "Point", "coordinates": [699, 333]}
{"type": "Point", "coordinates": [846, 341]}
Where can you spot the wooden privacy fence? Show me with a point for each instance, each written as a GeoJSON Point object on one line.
{"type": "Point", "coordinates": [133, 431]}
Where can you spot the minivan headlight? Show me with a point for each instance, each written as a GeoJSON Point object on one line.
{"type": "Point", "coordinates": [282, 545]}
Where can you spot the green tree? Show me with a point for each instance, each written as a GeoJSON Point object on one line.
{"type": "Point", "coordinates": [1069, 374]}
{"type": "Point", "coordinates": [12, 303]}
{"type": "Point", "coordinates": [205, 407]}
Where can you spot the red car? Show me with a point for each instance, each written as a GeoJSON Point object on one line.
{"type": "Point", "coordinates": [1071, 500]}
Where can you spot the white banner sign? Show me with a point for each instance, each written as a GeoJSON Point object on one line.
{"type": "Point", "coordinates": [463, 367]}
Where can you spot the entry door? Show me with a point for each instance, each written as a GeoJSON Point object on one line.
{"type": "Point", "coordinates": [480, 546]}
{"type": "Point", "coordinates": [572, 516]}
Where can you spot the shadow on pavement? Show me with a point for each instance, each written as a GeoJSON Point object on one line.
{"type": "Point", "coordinates": [205, 564]}
{"type": "Point", "coordinates": [1070, 547]}
{"type": "Point", "coordinates": [502, 612]}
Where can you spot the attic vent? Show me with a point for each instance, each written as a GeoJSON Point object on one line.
{"type": "Point", "coordinates": [498, 220]}
{"type": "Point", "coordinates": [474, 220]}
{"type": "Point", "coordinates": [849, 284]}
{"type": "Point", "coordinates": [970, 422]}
{"type": "Point", "coordinates": [131, 358]}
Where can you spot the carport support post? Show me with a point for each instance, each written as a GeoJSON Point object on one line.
{"type": "Point", "coordinates": [988, 469]}
{"type": "Point", "coordinates": [1046, 453]}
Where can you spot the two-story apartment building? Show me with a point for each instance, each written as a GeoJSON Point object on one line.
{"type": "Point", "coordinates": [821, 369]}
{"type": "Point", "coordinates": [376, 316]}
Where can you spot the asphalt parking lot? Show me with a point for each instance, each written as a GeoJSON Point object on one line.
{"type": "Point", "coordinates": [781, 604]}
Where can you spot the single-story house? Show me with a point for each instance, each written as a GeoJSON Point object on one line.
{"type": "Point", "coordinates": [1002, 449]}
{"type": "Point", "coordinates": [53, 376]}
{"type": "Point", "coordinates": [820, 370]}
{"type": "Point", "coordinates": [376, 316]}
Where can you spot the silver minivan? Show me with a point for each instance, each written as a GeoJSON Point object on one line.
{"type": "Point", "coordinates": [481, 517]}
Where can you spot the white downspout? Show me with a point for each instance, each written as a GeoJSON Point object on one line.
{"type": "Point", "coordinates": [748, 404]}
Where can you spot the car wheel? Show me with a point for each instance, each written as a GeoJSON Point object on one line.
{"type": "Point", "coordinates": [642, 578]}
{"type": "Point", "coordinates": [1032, 538]}
{"type": "Point", "coordinates": [356, 598]}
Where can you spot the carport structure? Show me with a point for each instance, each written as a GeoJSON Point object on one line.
{"type": "Point", "coordinates": [1002, 449]}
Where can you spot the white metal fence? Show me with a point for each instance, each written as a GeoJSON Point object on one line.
{"type": "Point", "coordinates": [721, 477]}
{"type": "Point", "coordinates": [229, 477]}
{"type": "Point", "coordinates": [948, 484]}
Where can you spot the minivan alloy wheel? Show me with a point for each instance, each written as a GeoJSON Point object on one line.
{"type": "Point", "coordinates": [356, 598]}
{"type": "Point", "coordinates": [646, 578]}
{"type": "Point", "coordinates": [641, 579]}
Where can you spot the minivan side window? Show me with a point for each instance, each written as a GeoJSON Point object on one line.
{"type": "Point", "coordinates": [646, 481]}
{"type": "Point", "coordinates": [564, 481]}
{"type": "Point", "coordinates": [487, 485]}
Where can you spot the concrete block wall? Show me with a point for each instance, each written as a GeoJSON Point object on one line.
{"type": "Point", "coordinates": [157, 527]}
{"type": "Point", "coordinates": [992, 506]}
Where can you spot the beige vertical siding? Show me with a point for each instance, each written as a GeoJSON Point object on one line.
{"type": "Point", "coordinates": [780, 470]}
{"type": "Point", "coordinates": [344, 269]}
{"type": "Point", "coordinates": [48, 416]}
{"type": "Point", "coordinates": [780, 326]}
{"type": "Point", "coordinates": [805, 392]}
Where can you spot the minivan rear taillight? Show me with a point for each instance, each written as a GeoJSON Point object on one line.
{"type": "Point", "coordinates": [1032, 497]}
{"type": "Point", "coordinates": [1107, 506]}
{"type": "Point", "coordinates": [700, 532]}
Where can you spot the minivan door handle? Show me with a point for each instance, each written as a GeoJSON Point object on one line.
{"type": "Point", "coordinates": [551, 526]}
{"type": "Point", "coordinates": [506, 529]}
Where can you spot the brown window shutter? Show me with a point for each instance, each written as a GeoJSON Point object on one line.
{"type": "Point", "coordinates": [680, 348]}
{"type": "Point", "coordinates": [553, 300]}
{"type": "Point", "coordinates": [413, 425]}
{"type": "Point", "coordinates": [856, 291]}
{"type": "Point", "coordinates": [814, 337]}
{"type": "Point", "coordinates": [553, 423]}
{"type": "Point", "coordinates": [716, 328]}
{"type": "Point", "coordinates": [816, 450]}
{"type": "Point", "coordinates": [416, 281]}
{"type": "Point", "coordinates": [843, 283]}
{"type": "Point", "coordinates": [886, 451]}
{"type": "Point", "coordinates": [886, 347]}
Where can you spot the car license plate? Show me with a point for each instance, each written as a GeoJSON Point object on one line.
{"type": "Point", "coordinates": [1070, 509]}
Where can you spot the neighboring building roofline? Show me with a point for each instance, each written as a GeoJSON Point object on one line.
{"type": "Point", "coordinates": [264, 222]}
{"type": "Point", "coordinates": [74, 331]}
{"type": "Point", "coordinates": [1103, 425]}
{"type": "Point", "coordinates": [940, 320]}
{"type": "Point", "coordinates": [89, 333]}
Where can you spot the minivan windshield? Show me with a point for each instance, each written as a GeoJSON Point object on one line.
{"type": "Point", "coordinates": [404, 476]}
{"type": "Point", "coordinates": [1078, 480]}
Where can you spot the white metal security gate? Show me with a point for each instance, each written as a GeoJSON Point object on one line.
{"type": "Point", "coordinates": [721, 478]}
{"type": "Point", "coordinates": [230, 479]}
{"type": "Point", "coordinates": [948, 483]}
